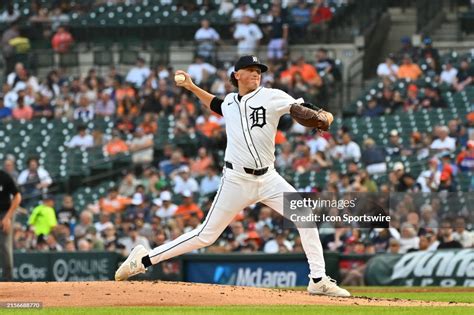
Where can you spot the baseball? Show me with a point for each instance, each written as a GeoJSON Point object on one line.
{"type": "Point", "coordinates": [179, 78]}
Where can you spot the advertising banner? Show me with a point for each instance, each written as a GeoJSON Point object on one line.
{"type": "Point", "coordinates": [444, 268]}
{"type": "Point", "coordinates": [65, 266]}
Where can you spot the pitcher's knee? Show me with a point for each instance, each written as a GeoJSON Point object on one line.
{"type": "Point", "coordinates": [207, 239]}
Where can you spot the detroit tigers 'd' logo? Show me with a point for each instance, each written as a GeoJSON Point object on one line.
{"type": "Point", "coordinates": [258, 116]}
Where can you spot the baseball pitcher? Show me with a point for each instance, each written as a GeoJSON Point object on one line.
{"type": "Point", "coordinates": [251, 119]}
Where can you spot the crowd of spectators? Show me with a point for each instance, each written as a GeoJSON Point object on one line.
{"type": "Point", "coordinates": [427, 74]}
{"type": "Point", "coordinates": [172, 190]}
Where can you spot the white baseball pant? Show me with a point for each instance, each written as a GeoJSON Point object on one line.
{"type": "Point", "coordinates": [237, 191]}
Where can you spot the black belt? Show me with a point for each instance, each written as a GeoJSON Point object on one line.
{"type": "Point", "coordinates": [251, 171]}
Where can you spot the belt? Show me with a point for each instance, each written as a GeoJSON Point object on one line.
{"type": "Point", "coordinates": [251, 171]}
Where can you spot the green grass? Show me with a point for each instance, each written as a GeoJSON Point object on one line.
{"type": "Point", "coordinates": [253, 310]}
{"type": "Point", "coordinates": [460, 295]}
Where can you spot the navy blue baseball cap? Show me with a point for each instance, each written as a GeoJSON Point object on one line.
{"type": "Point", "coordinates": [247, 61]}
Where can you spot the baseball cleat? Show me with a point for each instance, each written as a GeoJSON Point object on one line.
{"type": "Point", "coordinates": [133, 265]}
{"type": "Point", "coordinates": [327, 286]}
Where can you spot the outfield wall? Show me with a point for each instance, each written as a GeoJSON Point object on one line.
{"type": "Point", "coordinates": [438, 268]}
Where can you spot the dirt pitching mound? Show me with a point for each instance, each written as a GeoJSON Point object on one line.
{"type": "Point", "coordinates": [136, 293]}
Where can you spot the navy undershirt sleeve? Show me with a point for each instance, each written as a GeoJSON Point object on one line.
{"type": "Point", "coordinates": [216, 105]}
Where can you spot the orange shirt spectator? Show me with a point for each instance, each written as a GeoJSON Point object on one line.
{"type": "Point", "coordinates": [148, 125]}
{"type": "Point", "coordinates": [125, 90]}
{"type": "Point", "coordinates": [114, 202]}
{"type": "Point", "coordinates": [409, 70]}
{"type": "Point", "coordinates": [115, 146]}
{"type": "Point", "coordinates": [185, 211]}
{"type": "Point", "coordinates": [23, 112]}
{"type": "Point", "coordinates": [62, 40]}
{"type": "Point", "coordinates": [201, 163]}
{"type": "Point", "coordinates": [280, 137]}
{"type": "Point", "coordinates": [307, 71]}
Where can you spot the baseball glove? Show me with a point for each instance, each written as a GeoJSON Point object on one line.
{"type": "Point", "coordinates": [310, 115]}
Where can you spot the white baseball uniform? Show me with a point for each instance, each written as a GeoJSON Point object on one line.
{"type": "Point", "coordinates": [251, 126]}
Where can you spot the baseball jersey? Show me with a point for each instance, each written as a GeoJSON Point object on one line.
{"type": "Point", "coordinates": [251, 125]}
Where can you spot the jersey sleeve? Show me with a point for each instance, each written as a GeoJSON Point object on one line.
{"type": "Point", "coordinates": [283, 101]}
{"type": "Point", "coordinates": [216, 105]}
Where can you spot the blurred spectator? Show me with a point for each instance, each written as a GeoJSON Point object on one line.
{"type": "Point", "coordinates": [42, 107]}
{"type": "Point", "coordinates": [428, 242]}
{"type": "Point", "coordinates": [168, 209]}
{"type": "Point", "coordinates": [348, 150]}
{"type": "Point", "coordinates": [278, 34]}
{"type": "Point", "coordinates": [200, 70]}
{"type": "Point", "coordinates": [408, 69]}
{"type": "Point", "coordinates": [432, 98]}
{"type": "Point", "coordinates": [321, 15]}
{"type": "Point", "coordinates": [449, 73]}
{"type": "Point", "coordinates": [16, 76]}
{"type": "Point", "coordinates": [22, 111]}
{"type": "Point", "coordinates": [226, 6]}
{"type": "Point", "coordinates": [128, 185]}
{"type": "Point", "coordinates": [201, 163]}
{"type": "Point", "coordinates": [210, 182]}
{"type": "Point", "coordinates": [188, 207]}
{"type": "Point", "coordinates": [113, 202]}
{"type": "Point", "coordinates": [67, 214]}
{"type": "Point", "coordinates": [138, 74]}
{"type": "Point", "coordinates": [104, 106]}
{"type": "Point", "coordinates": [85, 110]}
{"type": "Point", "coordinates": [301, 17]}
{"type": "Point", "coordinates": [43, 217]}
{"type": "Point", "coordinates": [447, 240]}
{"type": "Point", "coordinates": [133, 239]}
{"type": "Point", "coordinates": [278, 245]}
{"type": "Point", "coordinates": [242, 10]}
{"type": "Point", "coordinates": [307, 71]}
{"type": "Point", "coordinates": [34, 180]}
{"type": "Point", "coordinates": [465, 159]}
{"type": "Point", "coordinates": [81, 140]}
{"type": "Point", "coordinates": [409, 240]}
{"type": "Point", "coordinates": [84, 245]}
{"type": "Point", "coordinates": [5, 112]}
{"type": "Point", "coordinates": [317, 143]}
{"type": "Point", "coordinates": [116, 145]}
{"type": "Point", "coordinates": [10, 14]}
{"type": "Point", "coordinates": [429, 179]}
{"type": "Point", "coordinates": [141, 147]}
{"type": "Point", "coordinates": [394, 246]}
{"type": "Point", "coordinates": [183, 180]}
{"type": "Point", "coordinates": [464, 77]}
{"type": "Point", "coordinates": [148, 125]}
{"type": "Point", "coordinates": [444, 143]}
{"type": "Point", "coordinates": [388, 69]}
{"type": "Point", "coordinates": [412, 101]}
{"type": "Point", "coordinates": [62, 40]}
{"type": "Point", "coordinates": [429, 52]}
{"type": "Point", "coordinates": [326, 66]}
{"type": "Point", "coordinates": [373, 109]}
{"type": "Point", "coordinates": [174, 162]}
{"type": "Point", "coordinates": [85, 223]}
{"type": "Point", "coordinates": [207, 39]}
{"type": "Point", "coordinates": [428, 217]}
{"type": "Point", "coordinates": [8, 50]}
{"type": "Point", "coordinates": [394, 147]}
{"type": "Point", "coordinates": [407, 49]}
{"type": "Point", "coordinates": [460, 234]}
{"type": "Point", "coordinates": [248, 36]}
{"type": "Point", "coordinates": [373, 157]}
{"type": "Point", "coordinates": [9, 167]}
